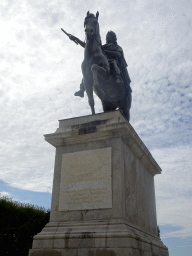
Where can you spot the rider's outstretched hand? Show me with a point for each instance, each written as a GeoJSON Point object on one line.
{"type": "Point", "coordinates": [76, 40]}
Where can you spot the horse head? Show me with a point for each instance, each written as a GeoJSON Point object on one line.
{"type": "Point", "coordinates": [91, 26]}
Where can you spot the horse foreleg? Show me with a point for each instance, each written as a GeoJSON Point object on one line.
{"type": "Point", "coordinates": [94, 69]}
{"type": "Point", "coordinates": [89, 91]}
{"type": "Point", "coordinates": [103, 74]}
{"type": "Point", "coordinates": [92, 104]}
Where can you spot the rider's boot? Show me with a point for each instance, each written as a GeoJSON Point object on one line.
{"type": "Point", "coordinates": [80, 93]}
{"type": "Point", "coordinates": [118, 79]}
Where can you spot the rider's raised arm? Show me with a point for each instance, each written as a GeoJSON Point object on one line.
{"type": "Point", "coordinates": [77, 40]}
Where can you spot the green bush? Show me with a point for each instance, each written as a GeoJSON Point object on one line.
{"type": "Point", "coordinates": [18, 224]}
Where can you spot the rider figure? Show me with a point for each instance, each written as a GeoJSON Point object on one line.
{"type": "Point", "coordinates": [113, 52]}
{"type": "Point", "coordinates": [116, 59]}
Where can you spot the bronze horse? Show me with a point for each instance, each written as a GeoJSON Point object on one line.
{"type": "Point", "coordinates": [97, 75]}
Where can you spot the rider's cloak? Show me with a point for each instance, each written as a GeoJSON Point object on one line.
{"type": "Point", "coordinates": [122, 64]}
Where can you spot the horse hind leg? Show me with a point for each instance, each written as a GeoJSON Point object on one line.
{"type": "Point", "coordinates": [125, 105]}
{"type": "Point", "coordinates": [108, 106]}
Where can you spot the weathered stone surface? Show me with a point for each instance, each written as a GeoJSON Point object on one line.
{"type": "Point", "coordinates": [86, 180]}
{"type": "Point", "coordinates": [94, 252]}
{"type": "Point", "coordinates": [104, 252]}
{"type": "Point", "coordinates": [101, 152]}
{"type": "Point", "coordinates": [46, 252]}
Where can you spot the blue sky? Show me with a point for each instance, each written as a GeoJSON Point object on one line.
{"type": "Point", "coordinates": [40, 71]}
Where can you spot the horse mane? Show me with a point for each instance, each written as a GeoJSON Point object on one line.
{"type": "Point", "coordinates": [99, 37]}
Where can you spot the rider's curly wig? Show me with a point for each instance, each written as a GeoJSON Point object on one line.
{"type": "Point", "coordinates": [113, 35]}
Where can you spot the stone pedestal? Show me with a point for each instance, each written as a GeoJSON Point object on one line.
{"type": "Point", "coordinates": [103, 200]}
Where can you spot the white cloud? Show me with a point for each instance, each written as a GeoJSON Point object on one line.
{"type": "Point", "coordinates": [173, 189]}
{"type": "Point", "coordinates": [3, 193]}
{"type": "Point", "coordinates": [40, 71]}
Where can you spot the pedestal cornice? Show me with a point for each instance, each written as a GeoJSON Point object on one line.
{"type": "Point", "coordinates": [102, 127]}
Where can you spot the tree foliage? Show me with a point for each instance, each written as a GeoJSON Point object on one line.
{"type": "Point", "coordinates": [18, 224]}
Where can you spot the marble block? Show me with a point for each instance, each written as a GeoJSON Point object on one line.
{"type": "Point", "coordinates": [86, 180]}
{"type": "Point", "coordinates": [103, 198]}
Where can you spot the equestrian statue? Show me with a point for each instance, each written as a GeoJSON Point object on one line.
{"type": "Point", "coordinates": [104, 69]}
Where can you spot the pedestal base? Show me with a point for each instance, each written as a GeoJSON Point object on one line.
{"type": "Point", "coordinates": [103, 200]}
{"type": "Point", "coordinates": [101, 238]}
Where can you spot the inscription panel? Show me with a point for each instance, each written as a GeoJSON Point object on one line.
{"type": "Point", "coordinates": [86, 180]}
